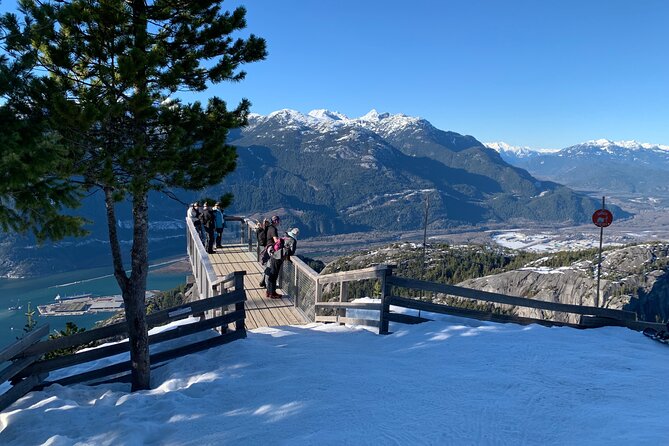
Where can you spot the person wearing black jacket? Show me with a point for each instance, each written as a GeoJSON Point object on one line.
{"type": "Point", "coordinates": [209, 224]}
{"type": "Point", "coordinates": [272, 231]}
{"type": "Point", "coordinates": [272, 237]}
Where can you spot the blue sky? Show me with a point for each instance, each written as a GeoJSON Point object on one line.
{"type": "Point", "coordinates": [547, 74]}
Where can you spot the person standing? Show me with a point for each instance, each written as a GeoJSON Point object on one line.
{"type": "Point", "coordinates": [273, 231]}
{"type": "Point", "coordinates": [220, 223]}
{"type": "Point", "coordinates": [261, 232]}
{"type": "Point", "coordinates": [209, 224]}
{"type": "Point", "coordinates": [290, 243]}
{"type": "Point", "coordinates": [283, 249]}
{"type": "Point", "coordinates": [194, 215]}
{"type": "Point", "coordinates": [272, 237]}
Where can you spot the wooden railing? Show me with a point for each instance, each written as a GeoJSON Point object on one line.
{"type": "Point", "coordinates": [324, 298]}
{"type": "Point", "coordinates": [19, 362]}
{"type": "Point", "coordinates": [590, 316]}
{"type": "Point", "coordinates": [203, 271]}
{"type": "Point", "coordinates": [224, 312]}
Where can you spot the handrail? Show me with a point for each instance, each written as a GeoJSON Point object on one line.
{"type": "Point", "coordinates": [204, 273]}
{"type": "Point", "coordinates": [304, 268]}
{"type": "Point", "coordinates": [121, 328]}
{"type": "Point", "coordinates": [20, 388]}
{"type": "Point", "coordinates": [509, 300]}
{"type": "Point", "coordinates": [373, 272]}
{"type": "Point", "coordinates": [32, 369]}
{"type": "Point", "coordinates": [230, 277]}
{"type": "Point", "coordinates": [25, 342]}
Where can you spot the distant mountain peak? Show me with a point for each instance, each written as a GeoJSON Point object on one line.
{"type": "Point", "coordinates": [372, 115]}
{"type": "Point", "coordinates": [606, 144]}
{"type": "Point", "coordinates": [323, 119]}
{"type": "Point", "coordinates": [287, 114]}
{"type": "Point", "coordinates": [324, 114]}
{"type": "Point", "coordinates": [518, 151]}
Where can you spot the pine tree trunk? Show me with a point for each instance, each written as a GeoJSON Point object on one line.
{"type": "Point", "coordinates": [134, 297]}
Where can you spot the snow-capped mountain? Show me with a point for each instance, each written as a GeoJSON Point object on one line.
{"type": "Point", "coordinates": [322, 120]}
{"type": "Point", "coordinates": [503, 148]}
{"type": "Point", "coordinates": [333, 173]}
{"type": "Point", "coordinates": [602, 165]}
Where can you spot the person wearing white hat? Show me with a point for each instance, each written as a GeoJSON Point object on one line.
{"type": "Point", "coordinates": [290, 244]}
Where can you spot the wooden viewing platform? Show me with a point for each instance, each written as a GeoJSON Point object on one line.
{"type": "Point", "coordinates": [260, 310]}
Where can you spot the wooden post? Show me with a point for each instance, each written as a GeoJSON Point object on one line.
{"type": "Point", "coordinates": [385, 306]}
{"type": "Point", "coordinates": [239, 306]}
{"type": "Point", "coordinates": [317, 298]}
{"type": "Point", "coordinates": [220, 311]}
{"type": "Point", "coordinates": [343, 297]}
{"type": "Point", "coordinates": [297, 289]}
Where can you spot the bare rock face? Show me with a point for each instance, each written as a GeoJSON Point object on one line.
{"type": "Point", "coordinates": [632, 278]}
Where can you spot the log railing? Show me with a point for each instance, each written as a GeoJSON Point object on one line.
{"type": "Point", "coordinates": [325, 298]}
{"type": "Point", "coordinates": [203, 271]}
{"type": "Point", "coordinates": [224, 312]}
{"type": "Point", "coordinates": [590, 316]}
{"type": "Point", "coordinates": [16, 362]}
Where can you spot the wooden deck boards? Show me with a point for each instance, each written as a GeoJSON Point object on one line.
{"type": "Point", "coordinates": [260, 311]}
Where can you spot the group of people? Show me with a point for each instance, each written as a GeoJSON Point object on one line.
{"type": "Point", "coordinates": [275, 250]}
{"type": "Point", "coordinates": [209, 224]}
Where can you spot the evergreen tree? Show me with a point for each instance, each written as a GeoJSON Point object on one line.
{"type": "Point", "coordinates": [99, 78]}
{"type": "Point", "coordinates": [70, 329]}
{"type": "Point", "coordinates": [30, 319]}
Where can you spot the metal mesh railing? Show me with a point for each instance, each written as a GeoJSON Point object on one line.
{"type": "Point", "coordinates": [300, 284]}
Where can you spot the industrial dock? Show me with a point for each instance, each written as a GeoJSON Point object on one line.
{"type": "Point", "coordinates": [81, 304]}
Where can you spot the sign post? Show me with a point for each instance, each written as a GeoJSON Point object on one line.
{"type": "Point", "coordinates": [601, 218]}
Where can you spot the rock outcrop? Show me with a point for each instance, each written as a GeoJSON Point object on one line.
{"type": "Point", "coordinates": [633, 278]}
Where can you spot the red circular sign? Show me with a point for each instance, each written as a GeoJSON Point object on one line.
{"type": "Point", "coordinates": [602, 218]}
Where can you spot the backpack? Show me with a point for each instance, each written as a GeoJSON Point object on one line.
{"type": "Point", "coordinates": [261, 235]}
{"type": "Point", "coordinates": [265, 255]}
{"type": "Point", "coordinates": [290, 246]}
{"type": "Point", "coordinates": [277, 249]}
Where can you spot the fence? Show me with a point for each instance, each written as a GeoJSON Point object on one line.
{"type": "Point", "coordinates": [224, 312]}
{"type": "Point", "coordinates": [325, 298]}
{"type": "Point", "coordinates": [591, 317]}
{"type": "Point", "coordinates": [321, 298]}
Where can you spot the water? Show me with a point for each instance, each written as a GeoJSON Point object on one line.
{"type": "Point", "coordinates": [42, 290]}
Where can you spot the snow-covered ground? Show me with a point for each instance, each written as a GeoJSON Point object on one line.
{"type": "Point", "coordinates": [547, 241]}
{"type": "Point", "coordinates": [451, 381]}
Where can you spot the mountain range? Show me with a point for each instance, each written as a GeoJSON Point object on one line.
{"type": "Point", "coordinates": [597, 165]}
{"type": "Point", "coordinates": [330, 174]}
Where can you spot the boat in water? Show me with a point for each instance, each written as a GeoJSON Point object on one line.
{"type": "Point", "coordinates": [79, 296]}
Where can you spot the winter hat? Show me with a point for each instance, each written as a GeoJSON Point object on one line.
{"type": "Point", "coordinates": [294, 232]}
